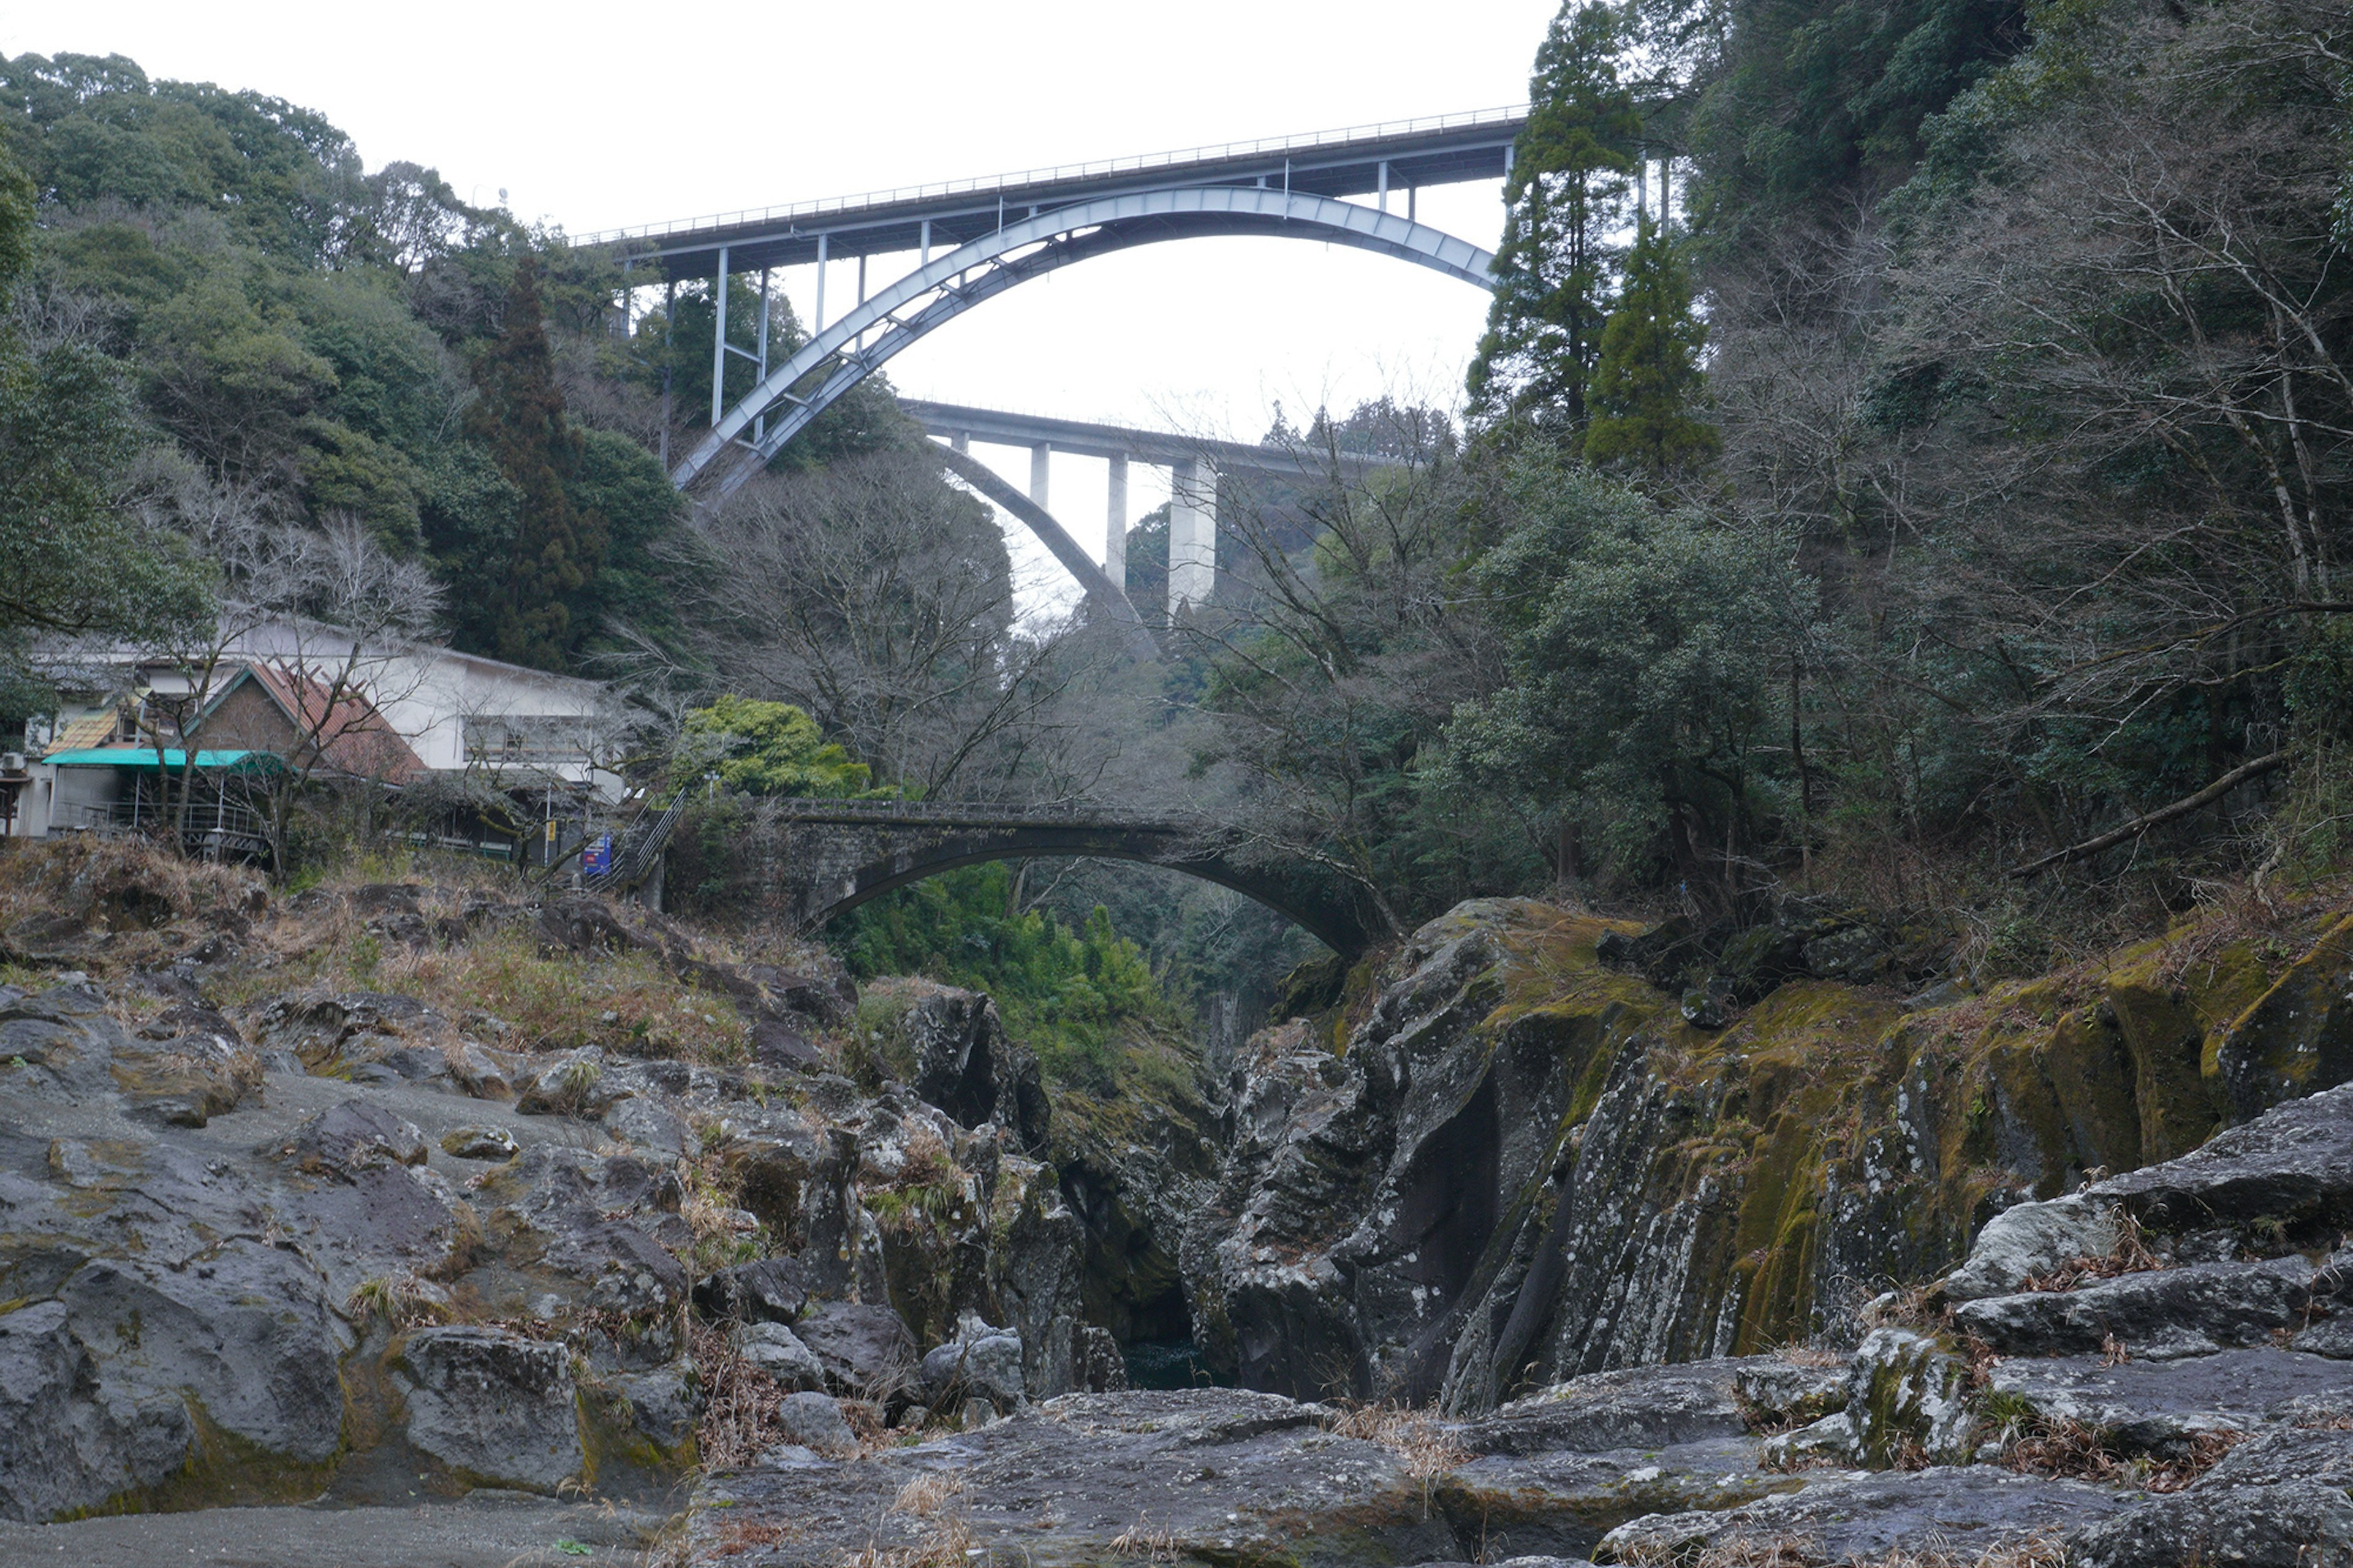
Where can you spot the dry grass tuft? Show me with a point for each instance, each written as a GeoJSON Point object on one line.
{"type": "Point", "coordinates": [402, 1299]}
{"type": "Point", "coordinates": [741, 1413]}
{"type": "Point", "coordinates": [2069, 1448]}
{"type": "Point", "coordinates": [942, 1545]}
{"type": "Point", "coordinates": [738, 1536]}
{"type": "Point", "coordinates": [929, 1495]}
{"type": "Point", "coordinates": [1140, 1540]}
{"type": "Point", "coordinates": [2129, 1256]}
{"type": "Point", "coordinates": [1425, 1446]}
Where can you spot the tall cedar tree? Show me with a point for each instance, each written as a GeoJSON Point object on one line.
{"type": "Point", "coordinates": [1649, 379]}
{"type": "Point", "coordinates": [1566, 192]}
{"type": "Point", "coordinates": [557, 547]}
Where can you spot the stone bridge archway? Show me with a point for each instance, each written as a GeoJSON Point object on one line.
{"type": "Point", "coordinates": [838, 855]}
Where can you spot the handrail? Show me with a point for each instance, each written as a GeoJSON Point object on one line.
{"type": "Point", "coordinates": [635, 849]}
{"type": "Point", "coordinates": [818, 808]}
{"type": "Point", "coordinates": [1136, 164]}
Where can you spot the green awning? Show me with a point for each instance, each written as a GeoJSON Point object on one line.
{"type": "Point", "coordinates": [145, 757]}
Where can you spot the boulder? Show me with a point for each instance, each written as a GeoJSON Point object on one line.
{"type": "Point", "coordinates": [866, 1350]}
{"type": "Point", "coordinates": [474, 1141]}
{"type": "Point", "coordinates": [2284, 1177]}
{"type": "Point", "coordinates": [820, 989]}
{"type": "Point", "coordinates": [2030, 1239]}
{"type": "Point", "coordinates": [777, 1351]}
{"type": "Point", "coordinates": [2154, 1314]}
{"type": "Point", "coordinates": [497, 1408]}
{"type": "Point", "coordinates": [68, 1442]}
{"type": "Point", "coordinates": [815, 1422]}
{"type": "Point", "coordinates": [353, 1135]}
{"type": "Point", "coordinates": [322, 1028]}
{"type": "Point", "coordinates": [1963, 1511]}
{"type": "Point", "coordinates": [967, 1066]}
{"type": "Point", "coordinates": [983, 1362]}
{"type": "Point", "coordinates": [244, 1334]}
{"type": "Point", "coordinates": [772, 1289]}
{"type": "Point", "coordinates": [665, 1404]}
{"type": "Point", "coordinates": [2163, 1408]}
{"type": "Point", "coordinates": [1906, 1404]}
{"type": "Point", "coordinates": [1101, 1368]}
{"type": "Point", "coordinates": [1640, 1407]}
{"type": "Point", "coordinates": [776, 1044]}
{"type": "Point", "coordinates": [2279, 1500]}
{"type": "Point", "coordinates": [580, 922]}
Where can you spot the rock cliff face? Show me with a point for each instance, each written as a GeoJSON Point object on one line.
{"type": "Point", "coordinates": [1503, 1161]}
{"type": "Point", "coordinates": [340, 1242]}
{"type": "Point", "coordinates": [2214, 1426]}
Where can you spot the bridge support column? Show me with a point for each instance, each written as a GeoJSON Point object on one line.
{"type": "Point", "coordinates": [1192, 533]}
{"type": "Point", "coordinates": [1115, 526]}
{"type": "Point", "coordinates": [1041, 457]}
{"type": "Point", "coordinates": [719, 343]}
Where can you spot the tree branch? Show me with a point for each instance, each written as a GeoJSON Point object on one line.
{"type": "Point", "coordinates": [2140, 824]}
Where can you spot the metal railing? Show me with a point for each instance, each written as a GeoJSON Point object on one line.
{"type": "Point", "coordinates": [813, 808]}
{"type": "Point", "coordinates": [639, 845]}
{"type": "Point", "coordinates": [989, 183]}
{"type": "Point", "coordinates": [199, 823]}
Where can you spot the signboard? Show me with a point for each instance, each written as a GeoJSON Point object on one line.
{"type": "Point", "coordinates": [597, 858]}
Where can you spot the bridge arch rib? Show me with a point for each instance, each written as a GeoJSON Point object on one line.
{"type": "Point", "coordinates": [839, 357]}
{"type": "Point", "coordinates": [865, 865]}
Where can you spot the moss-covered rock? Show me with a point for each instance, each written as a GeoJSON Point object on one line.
{"type": "Point", "coordinates": [1500, 1161]}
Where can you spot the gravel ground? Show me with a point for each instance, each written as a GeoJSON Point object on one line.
{"type": "Point", "coordinates": [474, 1533]}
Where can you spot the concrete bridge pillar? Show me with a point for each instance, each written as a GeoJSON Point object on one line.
{"type": "Point", "coordinates": [1115, 526]}
{"type": "Point", "coordinates": [1192, 533]}
{"type": "Point", "coordinates": [1041, 457]}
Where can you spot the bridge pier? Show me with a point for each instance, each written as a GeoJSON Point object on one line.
{"type": "Point", "coordinates": [1115, 526]}
{"type": "Point", "coordinates": [1192, 533]}
{"type": "Point", "coordinates": [1041, 459]}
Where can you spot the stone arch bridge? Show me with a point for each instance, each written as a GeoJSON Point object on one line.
{"type": "Point", "coordinates": [839, 854]}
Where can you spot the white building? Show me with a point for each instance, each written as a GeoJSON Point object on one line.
{"type": "Point", "coordinates": [524, 730]}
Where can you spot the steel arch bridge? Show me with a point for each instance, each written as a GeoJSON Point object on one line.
{"type": "Point", "coordinates": [1008, 231]}
{"type": "Point", "coordinates": [844, 355]}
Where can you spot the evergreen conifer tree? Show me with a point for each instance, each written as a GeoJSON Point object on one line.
{"type": "Point", "coordinates": [1566, 192]}
{"type": "Point", "coordinates": [557, 547]}
{"type": "Point", "coordinates": [1648, 379]}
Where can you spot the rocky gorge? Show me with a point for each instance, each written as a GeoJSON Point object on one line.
{"type": "Point", "coordinates": [1540, 1235]}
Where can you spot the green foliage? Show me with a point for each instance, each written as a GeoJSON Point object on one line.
{"type": "Point", "coordinates": [305, 332]}
{"type": "Point", "coordinates": [1814, 99]}
{"type": "Point", "coordinates": [73, 557]}
{"type": "Point", "coordinates": [1066, 992]}
{"type": "Point", "coordinates": [768, 749]}
{"type": "Point", "coordinates": [557, 547]}
{"type": "Point", "coordinates": [1648, 380]}
{"type": "Point", "coordinates": [1565, 193]}
{"type": "Point", "coordinates": [1644, 654]}
{"type": "Point", "coordinates": [90, 128]}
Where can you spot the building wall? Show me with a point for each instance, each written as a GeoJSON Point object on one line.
{"type": "Point", "coordinates": [245, 721]}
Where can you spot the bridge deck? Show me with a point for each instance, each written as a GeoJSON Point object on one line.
{"type": "Point", "coordinates": [1445, 150]}
{"type": "Point", "coordinates": [1086, 438]}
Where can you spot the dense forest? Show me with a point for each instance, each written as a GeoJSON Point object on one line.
{"type": "Point", "coordinates": [1905, 465]}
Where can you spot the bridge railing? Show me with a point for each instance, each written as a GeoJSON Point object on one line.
{"type": "Point", "coordinates": [1102, 169]}
{"type": "Point", "coordinates": [807, 808]}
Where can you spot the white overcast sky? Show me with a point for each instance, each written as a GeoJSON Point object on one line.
{"type": "Point", "coordinates": [594, 115]}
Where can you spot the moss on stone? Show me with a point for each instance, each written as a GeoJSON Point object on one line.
{"type": "Point", "coordinates": [222, 1470]}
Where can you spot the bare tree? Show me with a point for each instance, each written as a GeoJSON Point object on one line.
{"type": "Point", "coordinates": [877, 597]}
{"type": "Point", "coordinates": [1340, 641]}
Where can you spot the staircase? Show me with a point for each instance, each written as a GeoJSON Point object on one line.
{"type": "Point", "coordinates": [638, 848]}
